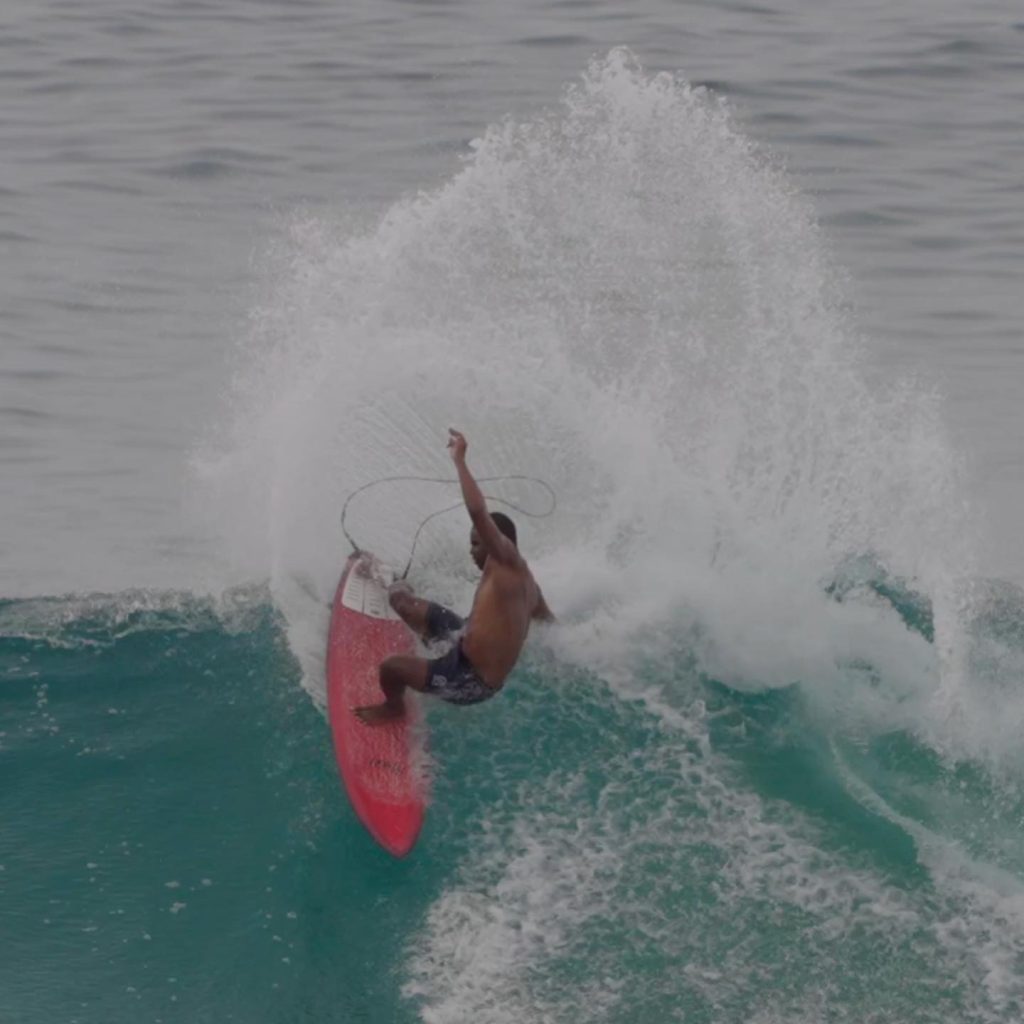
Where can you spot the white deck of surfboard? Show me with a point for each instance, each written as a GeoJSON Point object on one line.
{"type": "Point", "coordinates": [369, 594]}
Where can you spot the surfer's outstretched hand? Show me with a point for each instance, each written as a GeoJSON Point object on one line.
{"type": "Point", "coordinates": [457, 445]}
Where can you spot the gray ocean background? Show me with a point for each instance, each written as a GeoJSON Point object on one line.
{"type": "Point", "coordinates": [744, 281]}
{"type": "Point", "coordinates": [150, 150]}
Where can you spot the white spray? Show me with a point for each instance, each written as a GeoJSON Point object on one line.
{"type": "Point", "coordinates": [626, 298]}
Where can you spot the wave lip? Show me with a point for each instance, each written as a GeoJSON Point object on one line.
{"type": "Point", "coordinates": [100, 620]}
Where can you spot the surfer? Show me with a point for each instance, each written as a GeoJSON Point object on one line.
{"type": "Point", "coordinates": [486, 647]}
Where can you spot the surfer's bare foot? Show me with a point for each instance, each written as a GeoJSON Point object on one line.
{"type": "Point", "coordinates": [378, 714]}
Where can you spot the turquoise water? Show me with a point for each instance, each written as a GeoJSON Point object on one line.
{"type": "Point", "coordinates": [176, 846]}
{"type": "Point", "coordinates": [743, 294]}
{"type": "Point", "coordinates": [195, 846]}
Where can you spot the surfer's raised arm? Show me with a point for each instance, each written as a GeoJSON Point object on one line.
{"type": "Point", "coordinates": [494, 542]}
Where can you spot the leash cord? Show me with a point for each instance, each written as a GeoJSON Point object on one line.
{"type": "Point", "coordinates": [451, 508]}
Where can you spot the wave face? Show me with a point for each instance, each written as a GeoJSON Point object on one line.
{"type": "Point", "coordinates": [765, 769]}
{"type": "Point", "coordinates": [174, 843]}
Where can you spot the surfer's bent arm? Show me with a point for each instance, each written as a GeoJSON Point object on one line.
{"type": "Point", "coordinates": [497, 545]}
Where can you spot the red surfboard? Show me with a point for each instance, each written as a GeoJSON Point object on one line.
{"type": "Point", "coordinates": [377, 763]}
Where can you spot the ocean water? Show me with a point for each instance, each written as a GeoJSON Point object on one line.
{"type": "Point", "coordinates": [740, 281]}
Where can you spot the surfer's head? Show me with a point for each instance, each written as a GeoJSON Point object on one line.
{"type": "Point", "coordinates": [506, 526]}
{"type": "Point", "coordinates": [476, 547]}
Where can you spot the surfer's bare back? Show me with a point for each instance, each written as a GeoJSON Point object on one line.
{"type": "Point", "coordinates": [485, 648]}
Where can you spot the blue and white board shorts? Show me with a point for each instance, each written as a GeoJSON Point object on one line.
{"type": "Point", "coordinates": [451, 677]}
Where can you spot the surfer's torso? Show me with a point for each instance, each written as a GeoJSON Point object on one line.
{"type": "Point", "coordinates": [505, 601]}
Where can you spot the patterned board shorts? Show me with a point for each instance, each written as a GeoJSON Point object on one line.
{"type": "Point", "coordinates": [451, 677]}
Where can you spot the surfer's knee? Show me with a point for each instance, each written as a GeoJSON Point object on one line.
{"type": "Point", "coordinates": [401, 599]}
{"type": "Point", "coordinates": [410, 608]}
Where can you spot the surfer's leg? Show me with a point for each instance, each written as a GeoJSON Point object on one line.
{"type": "Point", "coordinates": [396, 673]}
{"type": "Point", "coordinates": [427, 619]}
{"type": "Point", "coordinates": [413, 610]}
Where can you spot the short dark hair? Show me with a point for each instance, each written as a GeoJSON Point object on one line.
{"type": "Point", "coordinates": [505, 525]}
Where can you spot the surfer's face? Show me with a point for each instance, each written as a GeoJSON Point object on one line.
{"type": "Point", "coordinates": [476, 548]}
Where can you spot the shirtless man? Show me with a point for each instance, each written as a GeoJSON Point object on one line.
{"type": "Point", "coordinates": [481, 658]}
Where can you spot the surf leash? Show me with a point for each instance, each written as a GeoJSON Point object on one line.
{"type": "Point", "coordinates": [451, 508]}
